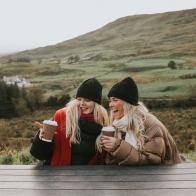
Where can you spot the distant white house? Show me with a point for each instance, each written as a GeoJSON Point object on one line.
{"type": "Point", "coordinates": [20, 81]}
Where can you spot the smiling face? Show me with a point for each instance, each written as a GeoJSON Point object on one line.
{"type": "Point", "coordinates": [87, 106]}
{"type": "Point", "coordinates": [116, 107]}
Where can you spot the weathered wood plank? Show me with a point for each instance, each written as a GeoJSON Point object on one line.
{"type": "Point", "coordinates": [99, 185]}
{"type": "Point", "coordinates": [99, 172]}
{"type": "Point", "coordinates": [97, 167]}
{"type": "Point", "coordinates": [176, 180]}
{"type": "Point", "coordinates": [163, 192]}
{"type": "Point", "coordinates": [113, 178]}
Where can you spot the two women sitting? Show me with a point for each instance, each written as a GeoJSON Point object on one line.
{"type": "Point", "coordinates": [140, 138]}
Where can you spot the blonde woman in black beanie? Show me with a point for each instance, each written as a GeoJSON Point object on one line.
{"type": "Point", "coordinates": [140, 138]}
{"type": "Point", "coordinates": [79, 124]}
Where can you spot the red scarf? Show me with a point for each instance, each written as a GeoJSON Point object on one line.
{"type": "Point", "coordinates": [89, 117]}
{"type": "Point", "coordinates": [62, 146]}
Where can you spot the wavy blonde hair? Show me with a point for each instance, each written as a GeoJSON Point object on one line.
{"type": "Point", "coordinates": [136, 116]}
{"type": "Point", "coordinates": [73, 111]}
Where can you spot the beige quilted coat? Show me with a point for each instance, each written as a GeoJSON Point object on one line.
{"type": "Point", "coordinates": [159, 147]}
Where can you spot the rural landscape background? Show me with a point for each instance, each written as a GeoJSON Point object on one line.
{"type": "Point", "coordinates": [157, 50]}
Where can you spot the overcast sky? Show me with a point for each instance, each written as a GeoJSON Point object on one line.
{"type": "Point", "coordinates": [26, 24]}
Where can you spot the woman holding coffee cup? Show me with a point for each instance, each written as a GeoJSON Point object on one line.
{"type": "Point", "coordinates": [78, 125]}
{"type": "Point", "coordinates": [140, 138]}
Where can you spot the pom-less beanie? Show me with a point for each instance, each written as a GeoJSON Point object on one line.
{"type": "Point", "coordinates": [126, 90]}
{"type": "Point", "coordinates": [90, 89]}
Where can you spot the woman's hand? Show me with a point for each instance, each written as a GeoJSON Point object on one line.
{"type": "Point", "coordinates": [40, 126]}
{"type": "Point", "coordinates": [99, 144]}
{"type": "Point", "coordinates": [108, 143]}
{"type": "Point", "coordinates": [41, 133]}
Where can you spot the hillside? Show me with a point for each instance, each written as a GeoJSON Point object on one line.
{"type": "Point", "coordinates": [140, 46]}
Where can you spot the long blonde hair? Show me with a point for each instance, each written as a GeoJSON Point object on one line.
{"type": "Point", "coordinates": [72, 117]}
{"type": "Point", "coordinates": [136, 116]}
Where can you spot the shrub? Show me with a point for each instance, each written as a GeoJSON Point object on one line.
{"type": "Point", "coordinates": [52, 101]}
{"type": "Point", "coordinates": [63, 100]}
{"type": "Point", "coordinates": [6, 159]}
{"type": "Point", "coordinates": [73, 59]}
{"type": "Point", "coordinates": [24, 157]}
{"type": "Point", "coordinates": [23, 59]}
{"type": "Point", "coordinates": [172, 65]}
{"type": "Point", "coordinates": [58, 103]}
{"type": "Point", "coordinates": [169, 88]}
{"type": "Point", "coordinates": [188, 76]}
{"type": "Point", "coordinates": [17, 157]}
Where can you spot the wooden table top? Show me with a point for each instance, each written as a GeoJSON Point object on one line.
{"type": "Point", "coordinates": [30, 180]}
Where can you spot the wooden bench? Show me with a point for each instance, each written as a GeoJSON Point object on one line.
{"type": "Point", "coordinates": [29, 180]}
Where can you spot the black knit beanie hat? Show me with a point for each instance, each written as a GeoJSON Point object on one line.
{"type": "Point", "coordinates": [125, 90]}
{"type": "Point", "coordinates": [90, 89]}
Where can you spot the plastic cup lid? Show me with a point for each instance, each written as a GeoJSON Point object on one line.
{"type": "Point", "coordinates": [50, 122]}
{"type": "Point", "coordinates": [108, 128]}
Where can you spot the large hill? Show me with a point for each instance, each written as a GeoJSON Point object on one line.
{"type": "Point", "coordinates": [140, 46]}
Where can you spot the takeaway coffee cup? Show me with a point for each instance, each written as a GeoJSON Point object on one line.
{"type": "Point", "coordinates": [108, 131]}
{"type": "Point", "coordinates": [49, 127]}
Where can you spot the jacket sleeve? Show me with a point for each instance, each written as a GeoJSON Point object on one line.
{"type": "Point", "coordinates": [40, 149]}
{"type": "Point", "coordinates": [152, 153]}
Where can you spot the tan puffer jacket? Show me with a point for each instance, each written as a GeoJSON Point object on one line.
{"type": "Point", "coordinates": [159, 147]}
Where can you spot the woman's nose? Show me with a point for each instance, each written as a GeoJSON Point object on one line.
{"type": "Point", "coordinates": [110, 104]}
{"type": "Point", "coordinates": [82, 102]}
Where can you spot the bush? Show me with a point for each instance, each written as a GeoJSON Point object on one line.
{"type": "Point", "coordinates": [21, 107]}
{"type": "Point", "coordinates": [16, 102]}
{"type": "Point", "coordinates": [73, 59]}
{"type": "Point", "coordinates": [24, 157]}
{"type": "Point", "coordinates": [35, 97]}
{"type": "Point", "coordinates": [52, 101]}
{"type": "Point", "coordinates": [17, 157]}
{"type": "Point", "coordinates": [188, 76]}
{"type": "Point", "coordinates": [169, 103]}
{"type": "Point", "coordinates": [23, 59]}
{"type": "Point", "coordinates": [63, 100]}
{"type": "Point", "coordinates": [172, 65]}
{"type": "Point", "coordinates": [58, 103]}
{"type": "Point", "coordinates": [6, 159]}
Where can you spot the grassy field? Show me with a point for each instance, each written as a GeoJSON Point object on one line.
{"type": "Point", "coordinates": [154, 77]}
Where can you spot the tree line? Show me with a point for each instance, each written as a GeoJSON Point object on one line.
{"type": "Point", "coordinates": [15, 101]}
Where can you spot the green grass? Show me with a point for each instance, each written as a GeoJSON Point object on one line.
{"type": "Point", "coordinates": [191, 156]}
{"type": "Point", "coordinates": [23, 157]}
{"type": "Point", "coordinates": [153, 76]}
{"type": "Point", "coordinates": [167, 89]}
{"type": "Point", "coordinates": [152, 62]}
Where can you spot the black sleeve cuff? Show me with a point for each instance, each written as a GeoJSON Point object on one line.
{"type": "Point", "coordinates": [40, 149]}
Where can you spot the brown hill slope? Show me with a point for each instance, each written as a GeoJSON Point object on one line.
{"type": "Point", "coordinates": [169, 34]}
